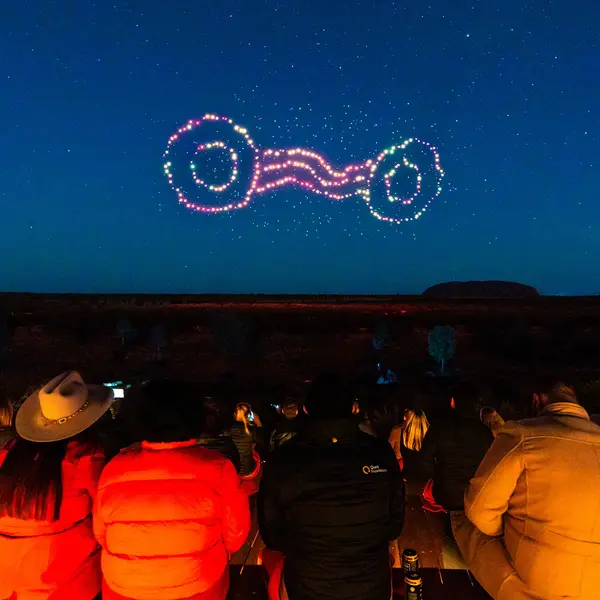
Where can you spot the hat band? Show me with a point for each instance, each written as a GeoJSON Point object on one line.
{"type": "Point", "coordinates": [63, 420]}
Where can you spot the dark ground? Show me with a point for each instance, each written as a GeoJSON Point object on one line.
{"type": "Point", "coordinates": [277, 342]}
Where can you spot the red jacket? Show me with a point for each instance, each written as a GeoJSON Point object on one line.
{"type": "Point", "coordinates": [168, 516]}
{"type": "Point", "coordinates": [55, 560]}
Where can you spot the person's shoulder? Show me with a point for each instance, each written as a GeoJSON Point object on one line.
{"type": "Point", "coordinates": [205, 457]}
{"type": "Point", "coordinates": [290, 450]}
{"type": "Point", "coordinates": [397, 430]}
{"type": "Point", "coordinates": [143, 464]}
{"type": "Point", "coordinates": [78, 451]}
{"type": "Point", "coordinates": [366, 439]}
{"type": "Point", "coordinates": [547, 424]}
{"type": "Point", "coordinates": [517, 429]}
{"type": "Point", "coordinates": [296, 453]}
{"type": "Point", "coordinates": [375, 446]}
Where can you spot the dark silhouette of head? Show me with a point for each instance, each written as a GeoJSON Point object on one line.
{"type": "Point", "coordinates": [329, 398]}
{"type": "Point", "coordinates": [169, 411]}
{"type": "Point", "coordinates": [465, 399]}
{"type": "Point", "coordinates": [289, 408]}
{"type": "Point", "coordinates": [217, 415]}
{"type": "Point", "coordinates": [551, 391]}
{"type": "Point", "coordinates": [379, 409]}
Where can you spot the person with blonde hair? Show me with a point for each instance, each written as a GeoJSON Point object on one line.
{"type": "Point", "coordinates": [406, 440]}
{"type": "Point", "coordinates": [490, 417]}
{"type": "Point", "coordinates": [415, 428]}
{"type": "Point", "coordinates": [243, 433]}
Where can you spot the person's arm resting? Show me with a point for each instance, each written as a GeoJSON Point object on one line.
{"type": "Point", "coordinates": [236, 509]}
{"type": "Point", "coordinates": [487, 497]}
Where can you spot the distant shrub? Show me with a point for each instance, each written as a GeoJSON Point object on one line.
{"type": "Point", "coordinates": [442, 344]}
{"type": "Point", "coordinates": [126, 332]}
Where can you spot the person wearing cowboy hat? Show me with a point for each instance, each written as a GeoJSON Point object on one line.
{"type": "Point", "coordinates": [48, 480]}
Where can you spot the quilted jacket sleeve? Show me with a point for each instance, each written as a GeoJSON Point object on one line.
{"type": "Point", "coordinates": [236, 509]}
{"type": "Point", "coordinates": [487, 497]}
{"type": "Point", "coordinates": [91, 469]}
{"type": "Point", "coordinates": [98, 521]}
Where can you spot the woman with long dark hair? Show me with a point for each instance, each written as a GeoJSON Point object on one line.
{"type": "Point", "coordinates": [48, 480]}
{"type": "Point", "coordinates": [6, 423]}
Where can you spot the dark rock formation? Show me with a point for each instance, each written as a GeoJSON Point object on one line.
{"type": "Point", "coordinates": [481, 289]}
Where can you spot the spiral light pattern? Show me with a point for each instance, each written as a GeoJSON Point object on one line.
{"type": "Point", "coordinates": [273, 168]}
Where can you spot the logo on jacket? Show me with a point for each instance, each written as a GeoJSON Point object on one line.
{"type": "Point", "coordinates": [371, 469]}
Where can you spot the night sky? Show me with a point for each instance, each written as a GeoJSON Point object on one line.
{"type": "Point", "coordinates": [507, 90]}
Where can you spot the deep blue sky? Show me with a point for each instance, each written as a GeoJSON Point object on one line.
{"type": "Point", "coordinates": [509, 91]}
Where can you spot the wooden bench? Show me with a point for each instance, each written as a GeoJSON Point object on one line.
{"type": "Point", "coordinates": [437, 584]}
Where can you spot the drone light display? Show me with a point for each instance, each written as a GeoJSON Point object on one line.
{"type": "Point", "coordinates": [269, 169]}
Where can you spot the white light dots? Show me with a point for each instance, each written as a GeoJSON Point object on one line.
{"type": "Point", "coordinates": [274, 168]}
{"type": "Point", "coordinates": [234, 170]}
{"type": "Point", "coordinates": [388, 177]}
{"type": "Point", "coordinates": [233, 155]}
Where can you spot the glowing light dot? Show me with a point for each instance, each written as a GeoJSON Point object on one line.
{"type": "Point", "coordinates": [310, 171]}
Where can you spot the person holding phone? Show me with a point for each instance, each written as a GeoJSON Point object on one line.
{"type": "Point", "coordinates": [243, 433]}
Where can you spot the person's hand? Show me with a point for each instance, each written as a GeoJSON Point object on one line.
{"type": "Point", "coordinates": [257, 420]}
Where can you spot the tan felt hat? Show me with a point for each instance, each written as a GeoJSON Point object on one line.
{"type": "Point", "coordinates": [63, 408]}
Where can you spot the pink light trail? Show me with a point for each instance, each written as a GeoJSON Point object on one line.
{"type": "Point", "coordinates": [274, 168]}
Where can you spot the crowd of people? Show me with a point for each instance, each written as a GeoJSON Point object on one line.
{"type": "Point", "coordinates": [149, 498]}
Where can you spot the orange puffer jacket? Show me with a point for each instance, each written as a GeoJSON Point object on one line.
{"type": "Point", "coordinates": [55, 560]}
{"type": "Point", "coordinates": [168, 516]}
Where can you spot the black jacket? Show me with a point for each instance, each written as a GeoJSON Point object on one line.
{"type": "Point", "coordinates": [244, 443]}
{"type": "Point", "coordinates": [331, 500]}
{"type": "Point", "coordinates": [413, 464]}
{"type": "Point", "coordinates": [451, 453]}
{"type": "Point", "coordinates": [224, 445]}
{"type": "Point", "coordinates": [285, 430]}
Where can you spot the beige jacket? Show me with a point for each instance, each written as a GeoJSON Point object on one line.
{"type": "Point", "coordinates": [533, 508]}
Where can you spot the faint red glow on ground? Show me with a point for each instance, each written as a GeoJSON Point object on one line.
{"type": "Point", "coordinates": [302, 306]}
